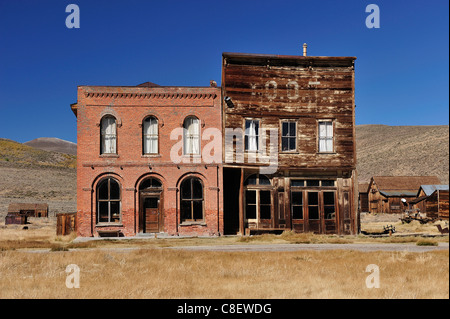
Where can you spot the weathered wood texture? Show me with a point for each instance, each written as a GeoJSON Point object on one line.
{"type": "Point", "coordinates": [305, 90]}
{"type": "Point", "coordinates": [437, 205]}
{"type": "Point", "coordinates": [65, 224]}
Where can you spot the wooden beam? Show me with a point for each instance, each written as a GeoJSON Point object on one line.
{"type": "Point", "coordinates": [241, 204]}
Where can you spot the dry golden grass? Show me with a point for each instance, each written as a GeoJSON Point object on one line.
{"type": "Point", "coordinates": [164, 273]}
{"type": "Point", "coordinates": [150, 271]}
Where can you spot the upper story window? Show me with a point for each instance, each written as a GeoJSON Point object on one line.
{"type": "Point", "coordinates": [150, 135]}
{"type": "Point", "coordinates": [288, 136]}
{"type": "Point", "coordinates": [251, 135]}
{"type": "Point", "coordinates": [108, 143]}
{"type": "Point", "coordinates": [326, 137]}
{"type": "Point", "coordinates": [191, 136]}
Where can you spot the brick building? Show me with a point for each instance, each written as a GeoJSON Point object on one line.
{"type": "Point", "coordinates": [140, 167]}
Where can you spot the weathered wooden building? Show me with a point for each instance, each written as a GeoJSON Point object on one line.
{"type": "Point", "coordinates": [391, 194]}
{"type": "Point", "coordinates": [29, 209]}
{"type": "Point", "coordinates": [289, 143]}
{"type": "Point", "coordinates": [432, 200]}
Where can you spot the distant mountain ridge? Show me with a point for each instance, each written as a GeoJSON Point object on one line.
{"type": "Point", "coordinates": [53, 144]}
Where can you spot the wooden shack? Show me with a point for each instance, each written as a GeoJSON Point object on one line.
{"type": "Point", "coordinates": [391, 194]}
{"type": "Point", "coordinates": [15, 219]}
{"type": "Point", "coordinates": [289, 144]}
{"type": "Point", "coordinates": [423, 197]}
{"type": "Point", "coordinates": [29, 210]}
{"type": "Point", "coordinates": [66, 223]}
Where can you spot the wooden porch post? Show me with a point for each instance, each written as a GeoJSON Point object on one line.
{"type": "Point", "coordinates": [241, 204]}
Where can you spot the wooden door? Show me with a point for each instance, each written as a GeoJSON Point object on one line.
{"type": "Point", "coordinates": [151, 215]}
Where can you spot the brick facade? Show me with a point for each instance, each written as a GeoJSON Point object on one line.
{"type": "Point", "coordinates": [130, 167]}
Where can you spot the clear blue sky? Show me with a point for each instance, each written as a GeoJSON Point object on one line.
{"type": "Point", "coordinates": [402, 68]}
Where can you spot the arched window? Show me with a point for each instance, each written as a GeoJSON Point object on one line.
{"type": "Point", "coordinates": [191, 135]}
{"type": "Point", "coordinates": [150, 135]}
{"type": "Point", "coordinates": [108, 135]}
{"type": "Point", "coordinates": [191, 200]}
{"type": "Point", "coordinates": [108, 201]}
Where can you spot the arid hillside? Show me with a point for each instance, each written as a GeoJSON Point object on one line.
{"type": "Point", "coordinates": [402, 150]}
{"type": "Point", "coordinates": [31, 175]}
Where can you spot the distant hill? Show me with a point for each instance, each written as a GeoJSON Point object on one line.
{"type": "Point", "coordinates": [20, 155]}
{"type": "Point", "coordinates": [402, 150]}
{"type": "Point", "coordinates": [53, 144]}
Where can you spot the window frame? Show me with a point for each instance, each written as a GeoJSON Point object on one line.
{"type": "Point", "coordinates": [109, 200]}
{"type": "Point", "coordinates": [326, 138]}
{"type": "Point", "coordinates": [103, 136]}
{"type": "Point", "coordinates": [289, 121]}
{"type": "Point", "coordinates": [192, 220]}
{"type": "Point", "coordinates": [185, 136]}
{"type": "Point", "coordinates": [246, 136]}
{"type": "Point", "coordinates": [144, 135]}
{"type": "Point", "coordinates": [258, 188]}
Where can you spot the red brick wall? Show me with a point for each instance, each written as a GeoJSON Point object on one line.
{"type": "Point", "coordinates": [130, 105]}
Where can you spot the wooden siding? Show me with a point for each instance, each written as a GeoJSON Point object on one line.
{"type": "Point", "coordinates": [300, 92]}
{"type": "Point", "coordinates": [304, 90]}
{"type": "Point", "coordinates": [437, 205]}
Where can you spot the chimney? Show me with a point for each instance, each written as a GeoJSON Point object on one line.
{"type": "Point", "coordinates": [304, 49]}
